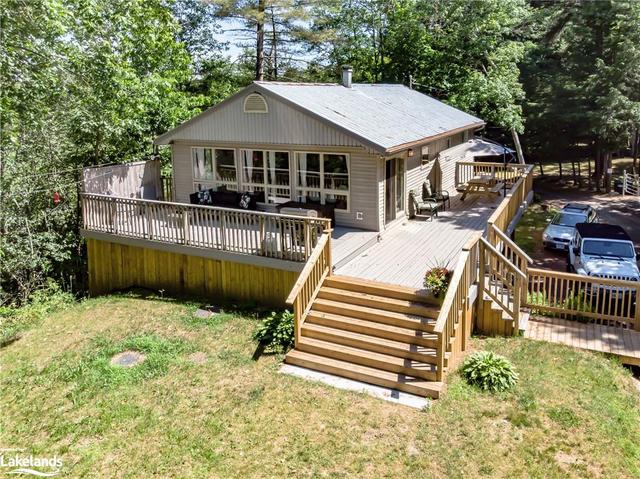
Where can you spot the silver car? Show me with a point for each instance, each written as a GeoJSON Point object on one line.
{"type": "Point", "coordinates": [562, 227]}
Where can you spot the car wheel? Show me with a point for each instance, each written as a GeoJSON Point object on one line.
{"type": "Point", "coordinates": [570, 268]}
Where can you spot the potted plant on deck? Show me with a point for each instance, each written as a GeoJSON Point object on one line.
{"type": "Point", "coordinates": [437, 280]}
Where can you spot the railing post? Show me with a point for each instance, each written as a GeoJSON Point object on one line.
{"type": "Point", "coordinates": [185, 226]}
{"type": "Point", "coordinates": [329, 251]}
{"type": "Point", "coordinates": [481, 280]}
{"type": "Point", "coordinates": [113, 211]}
{"type": "Point", "coordinates": [636, 321]}
{"type": "Point", "coordinates": [440, 357]}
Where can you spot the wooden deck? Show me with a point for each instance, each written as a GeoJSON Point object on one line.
{"type": "Point", "coordinates": [406, 250]}
{"type": "Point", "coordinates": [623, 343]}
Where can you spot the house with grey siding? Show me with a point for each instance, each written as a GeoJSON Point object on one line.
{"type": "Point", "coordinates": [359, 148]}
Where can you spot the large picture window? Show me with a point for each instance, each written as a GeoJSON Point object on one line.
{"type": "Point", "coordinates": [213, 167]}
{"type": "Point", "coordinates": [324, 178]}
{"type": "Point", "coordinates": [267, 171]}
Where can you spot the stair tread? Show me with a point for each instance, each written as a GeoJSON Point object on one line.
{"type": "Point", "coordinates": [362, 285]}
{"type": "Point", "coordinates": [412, 318]}
{"type": "Point", "coordinates": [357, 352]}
{"type": "Point", "coordinates": [353, 297]}
{"type": "Point", "coordinates": [366, 373]}
{"type": "Point", "coordinates": [365, 338]}
{"type": "Point", "coordinates": [382, 327]}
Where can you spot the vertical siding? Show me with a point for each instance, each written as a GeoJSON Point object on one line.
{"type": "Point", "coordinates": [364, 199]}
{"type": "Point", "coordinates": [281, 125]}
{"type": "Point", "coordinates": [182, 172]}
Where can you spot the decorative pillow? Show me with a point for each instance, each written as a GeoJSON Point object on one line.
{"type": "Point", "coordinates": [245, 201]}
{"type": "Point", "coordinates": [426, 190]}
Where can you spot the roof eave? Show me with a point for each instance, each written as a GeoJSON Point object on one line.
{"type": "Point", "coordinates": [428, 139]}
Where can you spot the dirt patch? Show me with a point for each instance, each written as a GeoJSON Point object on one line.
{"type": "Point", "coordinates": [128, 359]}
{"type": "Point", "coordinates": [198, 357]}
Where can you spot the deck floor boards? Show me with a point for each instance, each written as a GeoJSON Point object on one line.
{"type": "Point", "coordinates": [624, 343]}
{"type": "Point", "coordinates": [407, 249]}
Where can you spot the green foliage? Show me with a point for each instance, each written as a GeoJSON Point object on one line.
{"type": "Point", "coordinates": [437, 280]}
{"type": "Point", "coordinates": [42, 302]}
{"type": "Point", "coordinates": [93, 371]}
{"type": "Point", "coordinates": [489, 371]}
{"type": "Point", "coordinates": [276, 331]}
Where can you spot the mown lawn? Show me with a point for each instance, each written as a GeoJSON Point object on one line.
{"type": "Point", "coordinates": [573, 414]}
{"type": "Point", "coordinates": [528, 233]}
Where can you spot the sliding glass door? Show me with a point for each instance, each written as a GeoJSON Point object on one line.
{"type": "Point", "coordinates": [394, 194]}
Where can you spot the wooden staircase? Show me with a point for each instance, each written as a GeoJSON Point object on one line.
{"type": "Point", "coordinates": [371, 332]}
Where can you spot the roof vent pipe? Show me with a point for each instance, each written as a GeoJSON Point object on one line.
{"type": "Point", "coordinates": [347, 73]}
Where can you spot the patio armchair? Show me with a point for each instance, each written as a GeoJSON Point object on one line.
{"type": "Point", "coordinates": [419, 206]}
{"type": "Point", "coordinates": [430, 193]}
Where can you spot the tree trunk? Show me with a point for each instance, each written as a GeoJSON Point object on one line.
{"type": "Point", "coordinates": [260, 41]}
{"type": "Point", "coordinates": [573, 172]}
{"type": "Point", "coordinates": [598, 165]}
{"type": "Point", "coordinates": [636, 146]}
{"type": "Point", "coordinates": [274, 46]}
{"type": "Point", "coordinates": [608, 170]}
{"type": "Point", "coordinates": [589, 179]}
{"type": "Point", "coordinates": [516, 141]}
{"type": "Point", "coordinates": [560, 168]}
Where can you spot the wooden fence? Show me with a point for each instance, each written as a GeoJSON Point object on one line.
{"type": "Point", "coordinates": [306, 288]}
{"type": "Point", "coordinates": [244, 232]}
{"type": "Point", "coordinates": [128, 180]}
{"type": "Point", "coordinates": [603, 301]}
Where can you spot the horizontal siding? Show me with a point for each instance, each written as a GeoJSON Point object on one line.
{"type": "Point", "coordinates": [281, 125]}
{"type": "Point", "coordinates": [440, 174]}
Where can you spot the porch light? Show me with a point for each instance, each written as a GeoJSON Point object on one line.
{"type": "Point", "coordinates": [410, 152]}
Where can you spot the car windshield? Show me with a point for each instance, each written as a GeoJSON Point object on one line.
{"type": "Point", "coordinates": [608, 248]}
{"type": "Point", "coordinates": [569, 219]}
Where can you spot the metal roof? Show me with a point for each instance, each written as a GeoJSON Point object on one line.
{"type": "Point", "coordinates": [602, 231]}
{"type": "Point", "coordinates": [384, 116]}
{"type": "Point", "coordinates": [468, 150]}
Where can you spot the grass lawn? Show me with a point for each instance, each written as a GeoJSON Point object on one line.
{"type": "Point", "coordinates": [572, 414]}
{"type": "Point", "coordinates": [528, 233]}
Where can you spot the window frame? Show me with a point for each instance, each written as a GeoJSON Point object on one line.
{"type": "Point", "coordinates": [322, 190]}
{"type": "Point", "coordinates": [266, 185]}
{"type": "Point", "coordinates": [425, 162]}
{"type": "Point", "coordinates": [200, 184]}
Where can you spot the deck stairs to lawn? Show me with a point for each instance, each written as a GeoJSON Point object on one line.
{"type": "Point", "coordinates": [371, 332]}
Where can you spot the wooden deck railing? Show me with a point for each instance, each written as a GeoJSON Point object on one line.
{"type": "Point", "coordinates": [278, 236]}
{"type": "Point", "coordinates": [453, 323]}
{"type": "Point", "coordinates": [465, 170]}
{"type": "Point", "coordinates": [510, 205]}
{"type": "Point", "coordinates": [501, 280]}
{"type": "Point", "coordinates": [304, 291]}
{"type": "Point", "coordinates": [571, 296]}
{"type": "Point", "coordinates": [167, 187]}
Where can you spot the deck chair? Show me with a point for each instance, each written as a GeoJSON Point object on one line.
{"type": "Point", "coordinates": [420, 206]}
{"type": "Point", "coordinates": [430, 193]}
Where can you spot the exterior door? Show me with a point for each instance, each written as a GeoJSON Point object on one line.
{"type": "Point", "coordinates": [394, 194]}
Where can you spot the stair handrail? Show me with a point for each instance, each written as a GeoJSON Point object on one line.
{"type": "Point", "coordinates": [456, 298]}
{"type": "Point", "coordinates": [306, 288]}
{"type": "Point", "coordinates": [510, 264]}
{"type": "Point", "coordinates": [524, 258]}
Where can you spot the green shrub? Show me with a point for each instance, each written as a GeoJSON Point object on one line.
{"type": "Point", "coordinates": [489, 371]}
{"type": "Point", "coordinates": [276, 331]}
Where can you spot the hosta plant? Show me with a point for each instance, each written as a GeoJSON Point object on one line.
{"type": "Point", "coordinates": [489, 371]}
{"type": "Point", "coordinates": [276, 331]}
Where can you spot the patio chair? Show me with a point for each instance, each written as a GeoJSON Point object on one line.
{"type": "Point", "coordinates": [420, 206]}
{"type": "Point", "coordinates": [430, 193]}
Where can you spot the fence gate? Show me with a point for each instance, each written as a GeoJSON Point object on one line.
{"type": "Point", "coordinates": [631, 184]}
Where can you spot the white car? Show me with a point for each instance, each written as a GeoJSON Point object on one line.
{"type": "Point", "coordinates": [562, 227]}
{"type": "Point", "coordinates": [603, 251]}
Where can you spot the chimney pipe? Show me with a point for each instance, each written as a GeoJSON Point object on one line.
{"type": "Point", "coordinates": [347, 73]}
